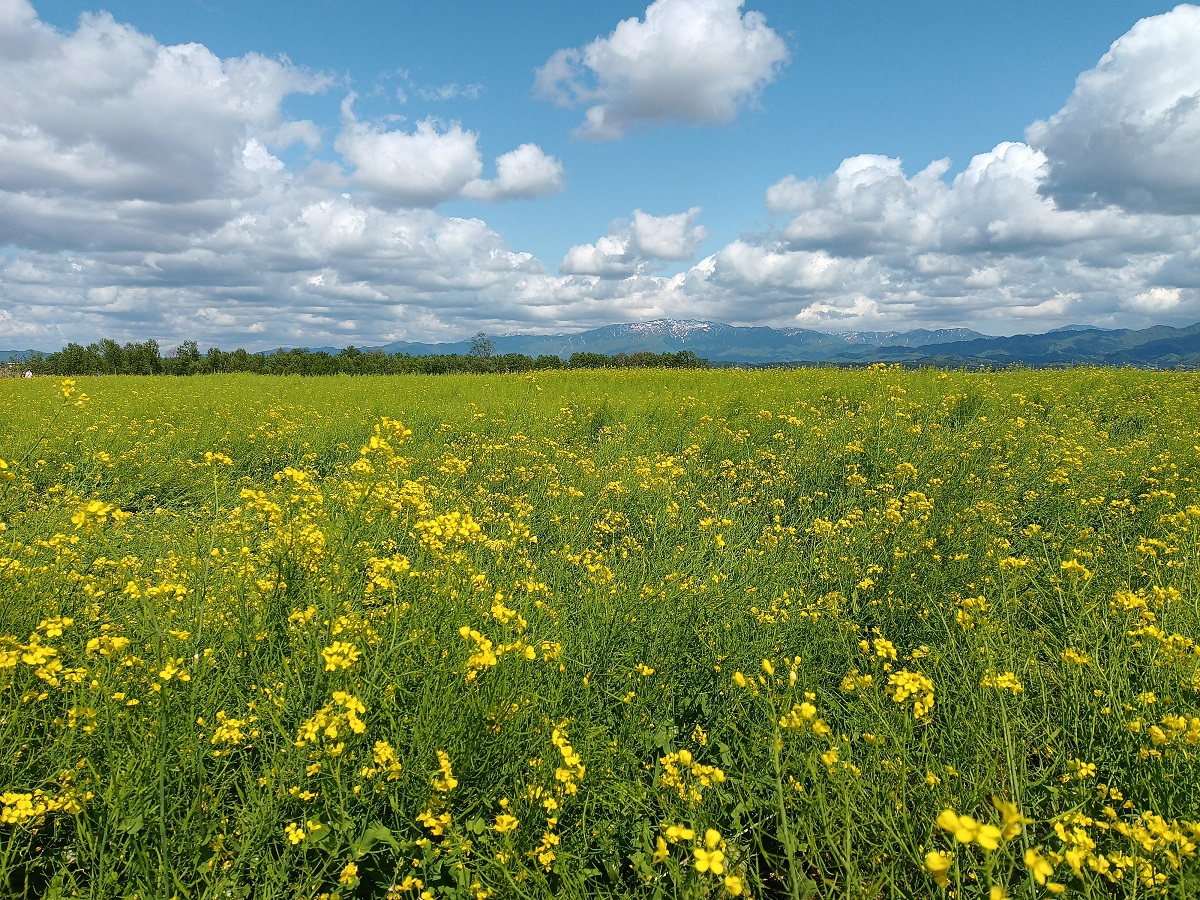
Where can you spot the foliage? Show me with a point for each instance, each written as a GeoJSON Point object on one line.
{"type": "Point", "coordinates": [107, 357]}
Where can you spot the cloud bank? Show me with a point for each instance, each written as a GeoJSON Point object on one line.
{"type": "Point", "coordinates": [144, 193]}
{"type": "Point", "coordinates": [633, 247]}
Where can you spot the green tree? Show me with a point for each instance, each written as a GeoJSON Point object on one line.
{"type": "Point", "coordinates": [482, 345]}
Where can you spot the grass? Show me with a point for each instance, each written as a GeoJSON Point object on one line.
{"type": "Point", "coordinates": [813, 633]}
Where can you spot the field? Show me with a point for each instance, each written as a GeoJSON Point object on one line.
{"type": "Point", "coordinates": [813, 633]}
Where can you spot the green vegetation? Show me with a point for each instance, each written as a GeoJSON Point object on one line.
{"type": "Point", "coordinates": [601, 634]}
{"type": "Point", "coordinates": [107, 357]}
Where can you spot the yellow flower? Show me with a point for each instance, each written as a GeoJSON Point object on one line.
{"type": "Point", "coordinates": [733, 884]}
{"type": "Point", "coordinates": [905, 685]}
{"type": "Point", "coordinates": [988, 837]}
{"type": "Point", "coordinates": [94, 512]}
{"type": "Point", "coordinates": [938, 864]}
{"type": "Point", "coordinates": [710, 861]}
{"type": "Point", "coordinates": [349, 874]}
{"type": "Point", "coordinates": [1038, 865]}
{"type": "Point", "coordinates": [964, 828]}
{"type": "Point", "coordinates": [677, 833]}
{"type": "Point", "coordinates": [661, 851]}
{"type": "Point", "coordinates": [445, 780]}
{"type": "Point", "coordinates": [340, 655]}
{"type": "Point", "coordinates": [505, 823]}
{"type": "Point", "coordinates": [1014, 822]}
{"type": "Point", "coordinates": [1075, 568]}
{"type": "Point", "coordinates": [1003, 681]}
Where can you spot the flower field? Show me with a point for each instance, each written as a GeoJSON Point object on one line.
{"type": "Point", "coordinates": [654, 634]}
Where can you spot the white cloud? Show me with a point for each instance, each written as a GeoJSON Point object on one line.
{"type": "Point", "coordinates": [1130, 132]}
{"type": "Point", "coordinates": [424, 167]}
{"type": "Point", "coordinates": [609, 257]}
{"type": "Point", "coordinates": [667, 237]}
{"type": "Point", "coordinates": [85, 115]}
{"type": "Point", "coordinates": [109, 139]}
{"type": "Point", "coordinates": [693, 61]}
{"type": "Point", "coordinates": [633, 245]}
{"type": "Point", "coordinates": [450, 92]}
{"type": "Point", "coordinates": [526, 172]}
{"type": "Point", "coordinates": [436, 162]}
{"type": "Point", "coordinates": [1156, 300]}
{"type": "Point", "coordinates": [114, 224]}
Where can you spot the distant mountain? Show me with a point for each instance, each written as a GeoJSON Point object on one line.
{"type": "Point", "coordinates": [1160, 346]}
{"type": "Point", "coordinates": [14, 355]}
{"type": "Point", "coordinates": [1157, 347]}
{"type": "Point", "coordinates": [711, 340]}
{"type": "Point", "coordinates": [1077, 328]}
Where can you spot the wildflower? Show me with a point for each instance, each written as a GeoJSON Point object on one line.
{"type": "Point", "coordinates": [94, 512]}
{"type": "Point", "coordinates": [1080, 769]}
{"type": "Point", "coordinates": [938, 864]}
{"type": "Point", "coordinates": [1004, 681]}
{"type": "Point", "coordinates": [436, 825]}
{"type": "Point", "coordinates": [444, 781]}
{"type": "Point", "coordinates": [505, 823]}
{"type": "Point", "coordinates": [1038, 865]}
{"type": "Point", "coordinates": [54, 627]}
{"type": "Point", "coordinates": [1075, 657]}
{"type": "Point", "coordinates": [349, 876]}
{"type": "Point", "coordinates": [965, 830]}
{"type": "Point", "coordinates": [905, 685]}
{"type": "Point", "coordinates": [384, 756]}
{"type": "Point", "coordinates": [678, 833]}
{"type": "Point", "coordinates": [340, 655]}
{"type": "Point", "coordinates": [1075, 568]}
{"type": "Point", "coordinates": [733, 884]}
{"type": "Point", "coordinates": [710, 857]}
{"type": "Point", "coordinates": [661, 851]}
{"type": "Point", "coordinates": [1014, 822]}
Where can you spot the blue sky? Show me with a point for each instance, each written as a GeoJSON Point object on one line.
{"type": "Point", "coordinates": [321, 173]}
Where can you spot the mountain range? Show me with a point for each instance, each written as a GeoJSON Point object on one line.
{"type": "Point", "coordinates": [1160, 346]}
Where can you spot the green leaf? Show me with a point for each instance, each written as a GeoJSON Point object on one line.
{"type": "Point", "coordinates": [131, 824]}
{"type": "Point", "coordinates": [375, 833]}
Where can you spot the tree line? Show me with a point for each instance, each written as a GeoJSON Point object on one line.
{"type": "Point", "coordinates": [107, 357]}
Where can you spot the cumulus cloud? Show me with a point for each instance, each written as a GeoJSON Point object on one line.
{"type": "Point", "coordinates": [693, 61]}
{"type": "Point", "coordinates": [437, 162]}
{"type": "Point", "coordinates": [111, 141]}
{"type": "Point", "coordinates": [424, 167]}
{"type": "Point", "coordinates": [85, 115]}
{"type": "Point", "coordinates": [1130, 132]}
{"type": "Point", "coordinates": [526, 172]}
{"type": "Point", "coordinates": [634, 245]}
{"type": "Point", "coordinates": [112, 224]}
{"type": "Point", "coordinates": [870, 244]}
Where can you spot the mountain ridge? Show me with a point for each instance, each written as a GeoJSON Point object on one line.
{"type": "Point", "coordinates": [1158, 346]}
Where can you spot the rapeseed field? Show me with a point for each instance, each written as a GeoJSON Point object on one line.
{"type": "Point", "coordinates": [813, 633]}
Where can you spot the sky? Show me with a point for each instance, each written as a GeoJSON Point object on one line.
{"type": "Point", "coordinates": [262, 174]}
